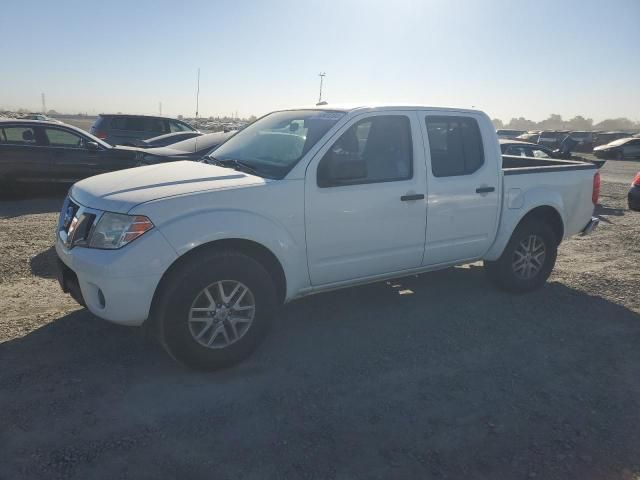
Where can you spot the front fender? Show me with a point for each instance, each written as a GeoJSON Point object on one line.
{"type": "Point", "coordinates": [515, 207]}
{"type": "Point", "coordinates": [209, 226]}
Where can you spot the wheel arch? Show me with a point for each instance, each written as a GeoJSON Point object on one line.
{"type": "Point", "coordinates": [549, 215]}
{"type": "Point", "coordinates": [252, 249]}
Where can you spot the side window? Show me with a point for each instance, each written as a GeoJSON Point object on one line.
{"type": "Point", "coordinates": [18, 136]}
{"type": "Point", "coordinates": [63, 138]}
{"type": "Point", "coordinates": [455, 144]}
{"type": "Point", "coordinates": [119, 123]}
{"type": "Point", "coordinates": [376, 149]}
{"type": "Point", "coordinates": [155, 125]}
{"type": "Point", "coordinates": [135, 124]}
{"type": "Point", "coordinates": [177, 127]}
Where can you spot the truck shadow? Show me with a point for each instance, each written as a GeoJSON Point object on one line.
{"type": "Point", "coordinates": [433, 375]}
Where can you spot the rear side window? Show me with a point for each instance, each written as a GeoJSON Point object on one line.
{"type": "Point", "coordinates": [17, 136]}
{"type": "Point", "coordinates": [455, 144]}
{"type": "Point", "coordinates": [178, 127]}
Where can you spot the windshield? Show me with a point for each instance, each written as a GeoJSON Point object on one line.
{"type": "Point", "coordinates": [276, 142]}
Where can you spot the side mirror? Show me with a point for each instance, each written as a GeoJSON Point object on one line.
{"type": "Point", "coordinates": [92, 146]}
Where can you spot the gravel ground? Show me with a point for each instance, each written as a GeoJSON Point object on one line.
{"type": "Point", "coordinates": [457, 380]}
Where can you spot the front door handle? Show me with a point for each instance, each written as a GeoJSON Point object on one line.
{"type": "Point", "coordinates": [485, 189]}
{"type": "Point", "coordinates": [414, 196]}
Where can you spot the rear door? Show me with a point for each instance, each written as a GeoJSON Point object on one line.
{"type": "Point", "coordinates": [374, 224]}
{"type": "Point", "coordinates": [23, 154]}
{"type": "Point", "coordinates": [464, 187]}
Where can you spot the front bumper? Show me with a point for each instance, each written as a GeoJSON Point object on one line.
{"type": "Point", "coordinates": [591, 226]}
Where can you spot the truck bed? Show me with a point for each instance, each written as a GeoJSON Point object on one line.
{"type": "Point", "coordinates": [515, 165]}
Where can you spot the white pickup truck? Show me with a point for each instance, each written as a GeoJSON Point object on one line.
{"type": "Point", "coordinates": [307, 200]}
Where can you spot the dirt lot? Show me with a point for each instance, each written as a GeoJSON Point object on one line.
{"type": "Point", "coordinates": [457, 380]}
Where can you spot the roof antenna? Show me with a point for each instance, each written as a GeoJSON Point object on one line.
{"type": "Point", "coordinates": [321, 75]}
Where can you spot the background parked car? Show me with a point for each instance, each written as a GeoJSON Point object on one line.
{"type": "Point", "coordinates": [584, 139]}
{"type": "Point", "coordinates": [167, 139]}
{"type": "Point", "coordinates": [602, 138]}
{"type": "Point", "coordinates": [531, 137]}
{"type": "Point", "coordinates": [192, 149]}
{"type": "Point", "coordinates": [39, 116]}
{"type": "Point", "coordinates": [508, 133]}
{"type": "Point", "coordinates": [524, 149]}
{"type": "Point", "coordinates": [41, 151]}
{"type": "Point", "coordinates": [620, 149]}
{"type": "Point", "coordinates": [634, 194]}
{"type": "Point", "coordinates": [129, 129]}
{"type": "Point", "coordinates": [552, 138]}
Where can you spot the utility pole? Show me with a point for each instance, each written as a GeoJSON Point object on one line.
{"type": "Point", "coordinates": [160, 107]}
{"type": "Point", "coordinates": [321, 75]}
{"type": "Point", "coordinates": [198, 94]}
{"type": "Point", "coordinates": [44, 104]}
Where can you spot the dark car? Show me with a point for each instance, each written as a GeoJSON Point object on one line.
{"type": "Point", "coordinates": [584, 140]}
{"type": "Point", "coordinates": [634, 194]}
{"type": "Point", "coordinates": [620, 149]}
{"type": "Point", "coordinates": [552, 138]}
{"type": "Point", "coordinates": [130, 129]}
{"type": "Point", "coordinates": [602, 138]}
{"type": "Point", "coordinates": [192, 149]}
{"type": "Point", "coordinates": [509, 133]}
{"type": "Point", "coordinates": [41, 151]}
{"type": "Point", "coordinates": [167, 139]}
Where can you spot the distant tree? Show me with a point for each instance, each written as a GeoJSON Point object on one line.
{"type": "Point", "coordinates": [617, 124]}
{"type": "Point", "coordinates": [521, 123]}
{"type": "Point", "coordinates": [23, 110]}
{"type": "Point", "coordinates": [496, 123]}
{"type": "Point", "coordinates": [580, 123]}
{"type": "Point", "coordinates": [554, 122]}
{"type": "Point", "coordinates": [180, 117]}
{"type": "Point", "coordinates": [52, 112]}
{"type": "Point", "coordinates": [252, 119]}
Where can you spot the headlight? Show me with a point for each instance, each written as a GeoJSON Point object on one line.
{"type": "Point", "coordinates": [115, 230]}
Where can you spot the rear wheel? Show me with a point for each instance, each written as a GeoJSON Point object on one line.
{"type": "Point", "coordinates": [527, 260]}
{"type": "Point", "coordinates": [215, 309]}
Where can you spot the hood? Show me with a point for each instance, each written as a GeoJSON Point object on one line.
{"type": "Point", "coordinates": [122, 190]}
{"type": "Point", "coordinates": [603, 147]}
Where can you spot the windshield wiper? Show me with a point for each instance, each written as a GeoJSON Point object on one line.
{"type": "Point", "coordinates": [234, 164]}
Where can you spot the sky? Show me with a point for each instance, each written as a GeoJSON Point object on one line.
{"type": "Point", "coordinates": [510, 58]}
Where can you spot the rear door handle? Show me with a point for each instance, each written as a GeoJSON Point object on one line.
{"type": "Point", "coordinates": [485, 189]}
{"type": "Point", "coordinates": [415, 196]}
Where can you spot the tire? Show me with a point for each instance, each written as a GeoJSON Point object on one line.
{"type": "Point", "coordinates": [511, 272]}
{"type": "Point", "coordinates": [214, 339]}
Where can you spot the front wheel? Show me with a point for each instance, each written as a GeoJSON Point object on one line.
{"type": "Point", "coordinates": [527, 260]}
{"type": "Point", "coordinates": [215, 309]}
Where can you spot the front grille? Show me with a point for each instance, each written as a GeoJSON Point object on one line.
{"type": "Point", "coordinates": [76, 221]}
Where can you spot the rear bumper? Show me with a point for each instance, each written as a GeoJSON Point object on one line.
{"type": "Point", "coordinates": [591, 226]}
{"type": "Point", "coordinates": [634, 198]}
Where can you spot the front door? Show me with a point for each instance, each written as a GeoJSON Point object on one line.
{"type": "Point", "coordinates": [365, 200]}
{"type": "Point", "coordinates": [71, 160]}
{"type": "Point", "coordinates": [464, 187]}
